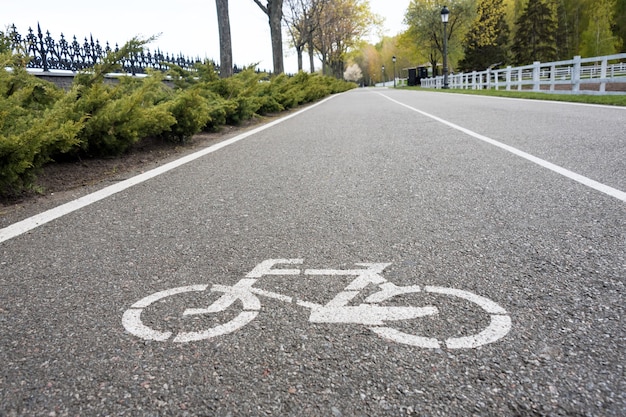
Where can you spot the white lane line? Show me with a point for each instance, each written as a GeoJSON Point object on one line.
{"type": "Point", "coordinates": [37, 220]}
{"type": "Point", "coordinates": [613, 192]}
{"type": "Point", "coordinates": [565, 103]}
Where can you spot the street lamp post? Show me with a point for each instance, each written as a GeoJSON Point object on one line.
{"type": "Point", "coordinates": [445, 13]}
{"type": "Point", "coordinates": [394, 71]}
{"type": "Point", "coordinates": [384, 81]}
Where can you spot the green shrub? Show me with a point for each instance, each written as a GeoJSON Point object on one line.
{"type": "Point", "coordinates": [242, 93]}
{"type": "Point", "coordinates": [114, 117]}
{"type": "Point", "coordinates": [219, 110]}
{"type": "Point", "coordinates": [30, 130]}
{"type": "Point", "coordinates": [191, 113]}
{"type": "Point", "coordinates": [29, 146]}
{"type": "Point", "coordinates": [40, 122]}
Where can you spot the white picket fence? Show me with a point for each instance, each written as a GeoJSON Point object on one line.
{"type": "Point", "coordinates": [578, 75]}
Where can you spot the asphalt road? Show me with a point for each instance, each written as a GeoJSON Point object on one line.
{"type": "Point", "coordinates": [533, 233]}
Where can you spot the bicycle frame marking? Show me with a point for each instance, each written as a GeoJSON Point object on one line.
{"type": "Point", "coordinates": [337, 310]}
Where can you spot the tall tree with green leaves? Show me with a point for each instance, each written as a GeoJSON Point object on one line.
{"type": "Point", "coordinates": [486, 43]}
{"type": "Point", "coordinates": [535, 38]}
{"type": "Point", "coordinates": [343, 23]}
{"type": "Point", "coordinates": [571, 18]}
{"type": "Point", "coordinates": [423, 18]}
{"type": "Point", "coordinates": [619, 28]}
{"type": "Point", "coordinates": [598, 39]}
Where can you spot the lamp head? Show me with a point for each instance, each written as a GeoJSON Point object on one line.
{"type": "Point", "coordinates": [445, 13]}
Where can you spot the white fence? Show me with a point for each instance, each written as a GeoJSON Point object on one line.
{"type": "Point", "coordinates": [588, 75]}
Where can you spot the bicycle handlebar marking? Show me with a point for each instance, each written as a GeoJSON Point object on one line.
{"type": "Point", "coordinates": [337, 310]}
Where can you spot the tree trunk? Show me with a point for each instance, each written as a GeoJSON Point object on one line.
{"type": "Point", "coordinates": [274, 10]}
{"type": "Point", "coordinates": [226, 49]}
{"type": "Point", "coordinates": [299, 51]}
{"type": "Point", "coordinates": [311, 55]}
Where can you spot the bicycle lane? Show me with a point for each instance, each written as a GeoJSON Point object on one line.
{"type": "Point", "coordinates": [584, 139]}
{"type": "Point", "coordinates": [349, 182]}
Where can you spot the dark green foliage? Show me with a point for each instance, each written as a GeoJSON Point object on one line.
{"type": "Point", "coordinates": [598, 38]}
{"type": "Point", "coordinates": [241, 93]}
{"type": "Point", "coordinates": [619, 28]}
{"type": "Point", "coordinates": [486, 43]}
{"type": "Point", "coordinates": [535, 39]}
{"type": "Point", "coordinates": [30, 130]}
{"type": "Point", "coordinates": [191, 113]}
{"type": "Point", "coordinates": [101, 117]}
{"type": "Point", "coordinates": [116, 118]}
{"type": "Point", "coordinates": [287, 92]}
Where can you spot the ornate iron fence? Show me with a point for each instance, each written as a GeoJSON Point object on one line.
{"type": "Point", "coordinates": [47, 54]}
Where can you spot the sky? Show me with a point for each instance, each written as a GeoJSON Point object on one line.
{"type": "Point", "coordinates": [184, 26]}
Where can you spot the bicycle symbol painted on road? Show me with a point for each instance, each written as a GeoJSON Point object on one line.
{"type": "Point", "coordinates": [370, 313]}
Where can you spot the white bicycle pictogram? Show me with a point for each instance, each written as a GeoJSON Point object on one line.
{"type": "Point", "coordinates": [370, 313]}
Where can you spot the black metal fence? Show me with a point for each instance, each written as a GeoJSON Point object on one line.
{"type": "Point", "coordinates": [47, 54]}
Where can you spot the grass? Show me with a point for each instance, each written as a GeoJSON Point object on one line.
{"type": "Point", "coordinates": [611, 100]}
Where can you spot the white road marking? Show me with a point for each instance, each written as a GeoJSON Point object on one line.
{"type": "Point", "coordinates": [240, 291]}
{"type": "Point", "coordinates": [265, 268]}
{"type": "Point", "coordinates": [145, 302]}
{"type": "Point", "coordinates": [131, 320]}
{"type": "Point", "coordinates": [270, 294]}
{"type": "Point", "coordinates": [486, 304]}
{"type": "Point", "coordinates": [405, 338]}
{"type": "Point", "coordinates": [610, 191]}
{"type": "Point", "coordinates": [26, 225]}
{"type": "Point", "coordinates": [498, 328]}
{"type": "Point", "coordinates": [308, 304]}
{"type": "Point", "coordinates": [337, 311]}
{"type": "Point", "coordinates": [565, 103]}
{"type": "Point", "coordinates": [241, 320]}
{"type": "Point", "coordinates": [371, 269]}
{"type": "Point", "coordinates": [367, 314]}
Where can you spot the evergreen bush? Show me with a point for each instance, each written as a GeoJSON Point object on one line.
{"type": "Point", "coordinates": [191, 112]}
{"type": "Point", "coordinates": [98, 118]}
{"type": "Point", "coordinates": [30, 130]}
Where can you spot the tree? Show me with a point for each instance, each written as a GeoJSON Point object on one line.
{"type": "Point", "coordinates": [370, 63]}
{"type": "Point", "coordinates": [619, 29]}
{"type": "Point", "coordinates": [535, 39]}
{"type": "Point", "coordinates": [598, 39]}
{"type": "Point", "coordinates": [568, 23]}
{"type": "Point", "coordinates": [343, 23]}
{"type": "Point", "coordinates": [274, 11]}
{"type": "Point", "coordinates": [297, 25]}
{"type": "Point", "coordinates": [407, 54]}
{"type": "Point", "coordinates": [226, 49]}
{"type": "Point", "coordinates": [303, 21]}
{"type": "Point", "coordinates": [353, 73]}
{"type": "Point", "coordinates": [486, 42]}
{"type": "Point", "coordinates": [424, 20]}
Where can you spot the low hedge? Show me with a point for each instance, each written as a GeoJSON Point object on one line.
{"type": "Point", "coordinates": [40, 122]}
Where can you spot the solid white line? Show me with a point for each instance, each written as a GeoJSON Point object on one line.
{"type": "Point", "coordinates": [613, 192]}
{"type": "Point", "coordinates": [37, 220]}
{"type": "Point", "coordinates": [565, 103]}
